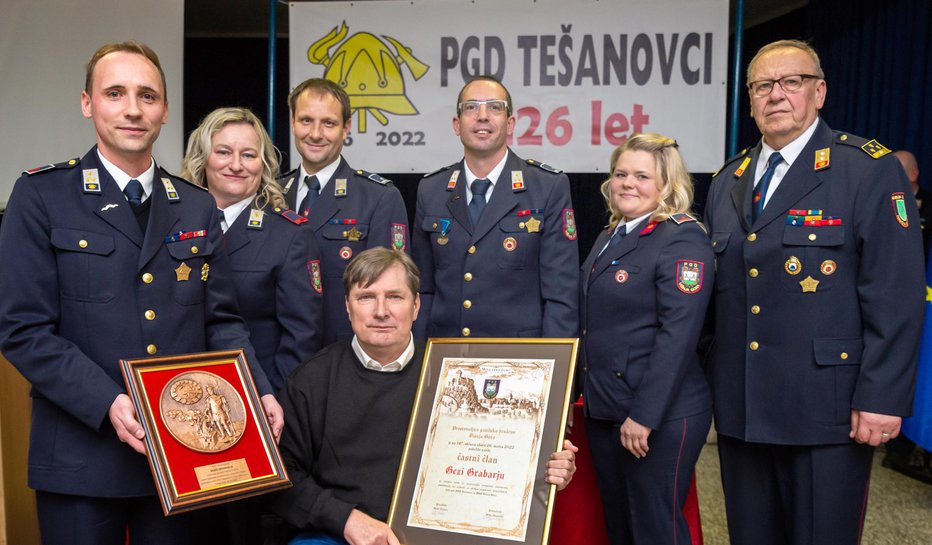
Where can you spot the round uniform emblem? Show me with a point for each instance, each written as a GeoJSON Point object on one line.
{"type": "Point", "coordinates": [792, 265]}
{"type": "Point", "coordinates": [202, 411]}
{"type": "Point", "coordinates": [828, 267]}
{"type": "Point", "coordinates": [510, 244]}
{"type": "Point", "coordinates": [621, 276]}
{"type": "Point", "coordinates": [346, 252]}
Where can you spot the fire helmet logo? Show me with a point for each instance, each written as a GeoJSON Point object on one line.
{"type": "Point", "coordinates": [369, 71]}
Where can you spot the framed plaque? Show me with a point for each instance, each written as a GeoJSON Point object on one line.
{"type": "Point", "coordinates": [487, 415]}
{"type": "Point", "coordinates": [207, 438]}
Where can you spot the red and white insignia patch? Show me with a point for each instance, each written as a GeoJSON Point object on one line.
{"type": "Point", "coordinates": [689, 276]}
{"type": "Point", "coordinates": [313, 269]}
{"type": "Point", "coordinates": [621, 276]}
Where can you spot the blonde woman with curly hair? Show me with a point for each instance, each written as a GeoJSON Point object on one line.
{"type": "Point", "coordinates": [276, 266]}
{"type": "Point", "coordinates": [643, 296]}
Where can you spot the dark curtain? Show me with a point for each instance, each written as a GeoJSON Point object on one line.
{"type": "Point", "coordinates": [877, 58]}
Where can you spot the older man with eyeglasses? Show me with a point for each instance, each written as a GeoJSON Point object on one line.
{"type": "Point", "coordinates": [818, 306]}
{"type": "Point", "coordinates": [494, 235]}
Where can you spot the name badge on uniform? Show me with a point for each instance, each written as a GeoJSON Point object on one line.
{"type": "Point", "coordinates": [255, 219]}
{"type": "Point", "coordinates": [91, 181]}
{"type": "Point", "coordinates": [170, 190]}
{"type": "Point", "coordinates": [339, 187]}
{"type": "Point", "coordinates": [453, 178]}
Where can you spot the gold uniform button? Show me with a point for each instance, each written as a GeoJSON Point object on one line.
{"type": "Point", "coordinates": [619, 374]}
{"type": "Point", "coordinates": [754, 345]}
{"type": "Point", "coordinates": [150, 315]}
{"type": "Point", "coordinates": [151, 349]}
{"type": "Point", "coordinates": [753, 273]}
{"type": "Point", "coordinates": [467, 277]}
{"type": "Point", "coordinates": [843, 137]}
{"type": "Point", "coordinates": [752, 237]}
{"type": "Point", "coordinates": [467, 304]}
{"type": "Point", "coordinates": [82, 243]}
{"type": "Point", "coordinates": [147, 278]}
{"type": "Point", "coordinates": [521, 225]}
{"type": "Point", "coordinates": [465, 331]}
{"type": "Point", "coordinates": [193, 249]}
{"type": "Point", "coordinates": [812, 236]}
{"type": "Point", "coordinates": [472, 249]}
{"type": "Point", "coordinates": [755, 309]}
{"type": "Point", "coordinates": [844, 355]}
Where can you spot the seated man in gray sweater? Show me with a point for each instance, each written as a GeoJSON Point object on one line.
{"type": "Point", "coordinates": [347, 412]}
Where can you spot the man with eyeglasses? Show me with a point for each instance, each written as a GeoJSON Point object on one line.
{"type": "Point", "coordinates": [818, 306]}
{"type": "Point", "coordinates": [494, 235]}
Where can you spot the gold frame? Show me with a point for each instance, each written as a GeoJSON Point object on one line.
{"type": "Point", "coordinates": [173, 502]}
{"type": "Point", "coordinates": [563, 352]}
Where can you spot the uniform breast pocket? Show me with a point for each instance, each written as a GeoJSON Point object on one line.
{"type": "Point", "coordinates": [519, 241]}
{"type": "Point", "coordinates": [85, 266]}
{"type": "Point", "coordinates": [811, 256]}
{"type": "Point", "coordinates": [191, 259]}
{"type": "Point", "coordinates": [719, 245]}
{"type": "Point", "coordinates": [341, 243]}
{"type": "Point", "coordinates": [439, 230]}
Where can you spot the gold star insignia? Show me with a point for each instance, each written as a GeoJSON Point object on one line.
{"type": "Point", "coordinates": [929, 294]}
{"type": "Point", "coordinates": [809, 284]}
{"type": "Point", "coordinates": [182, 272]}
{"type": "Point", "coordinates": [533, 225]}
{"type": "Point", "coordinates": [353, 235]}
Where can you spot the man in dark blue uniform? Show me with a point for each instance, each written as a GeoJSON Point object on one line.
{"type": "Point", "coordinates": [818, 305]}
{"type": "Point", "coordinates": [495, 235]}
{"type": "Point", "coordinates": [104, 258]}
{"type": "Point", "coordinates": [349, 210]}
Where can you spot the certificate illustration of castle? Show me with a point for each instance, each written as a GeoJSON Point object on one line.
{"type": "Point", "coordinates": [480, 457]}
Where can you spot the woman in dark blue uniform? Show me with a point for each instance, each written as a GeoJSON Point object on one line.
{"type": "Point", "coordinates": [644, 291]}
{"type": "Point", "coordinates": [276, 266]}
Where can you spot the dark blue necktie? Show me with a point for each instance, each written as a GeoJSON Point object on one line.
{"type": "Point", "coordinates": [133, 192]}
{"type": "Point", "coordinates": [313, 185]}
{"type": "Point", "coordinates": [760, 192]}
{"type": "Point", "coordinates": [479, 187]}
{"type": "Point", "coordinates": [613, 242]}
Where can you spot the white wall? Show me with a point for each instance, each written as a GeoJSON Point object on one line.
{"type": "Point", "coordinates": [44, 45]}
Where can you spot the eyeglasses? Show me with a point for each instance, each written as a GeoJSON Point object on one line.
{"type": "Point", "coordinates": [471, 107]}
{"type": "Point", "coordinates": [789, 84]}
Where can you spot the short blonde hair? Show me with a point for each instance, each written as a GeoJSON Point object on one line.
{"type": "Point", "coordinates": [675, 183]}
{"type": "Point", "coordinates": [199, 146]}
{"type": "Point", "coordinates": [787, 44]}
{"type": "Point", "coordinates": [129, 46]}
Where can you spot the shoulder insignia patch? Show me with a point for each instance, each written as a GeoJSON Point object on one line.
{"type": "Point", "coordinates": [544, 166]}
{"type": "Point", "coordinates": [682, 218]}
{"type": "Point", "coordinates": [731, 160]}
{"type": "Point", "coordinates": [875, 149]}
{"type": "Point", "coordinates": [291, 216]}
{"type": "Point", "coordinates": [52, 166]}
{"type": "Point", "coordinates": [313, 269]}
{"type": "Point", "coordinates": [441, 169]}
{"type": "Point", "coordinates": [689, 275]}
{"type": "Point", "coordinates": [373, 177]}
{"type": "Point", "coordinates": [569, 224]}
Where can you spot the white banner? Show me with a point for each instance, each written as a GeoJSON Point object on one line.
{"type": "Point", "coordinates": [583, 74]}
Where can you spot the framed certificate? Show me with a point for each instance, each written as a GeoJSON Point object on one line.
{"type": "Point", "coordinates": [487, 415]}
{"type": "Point", "coordinates": [207, 438]}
